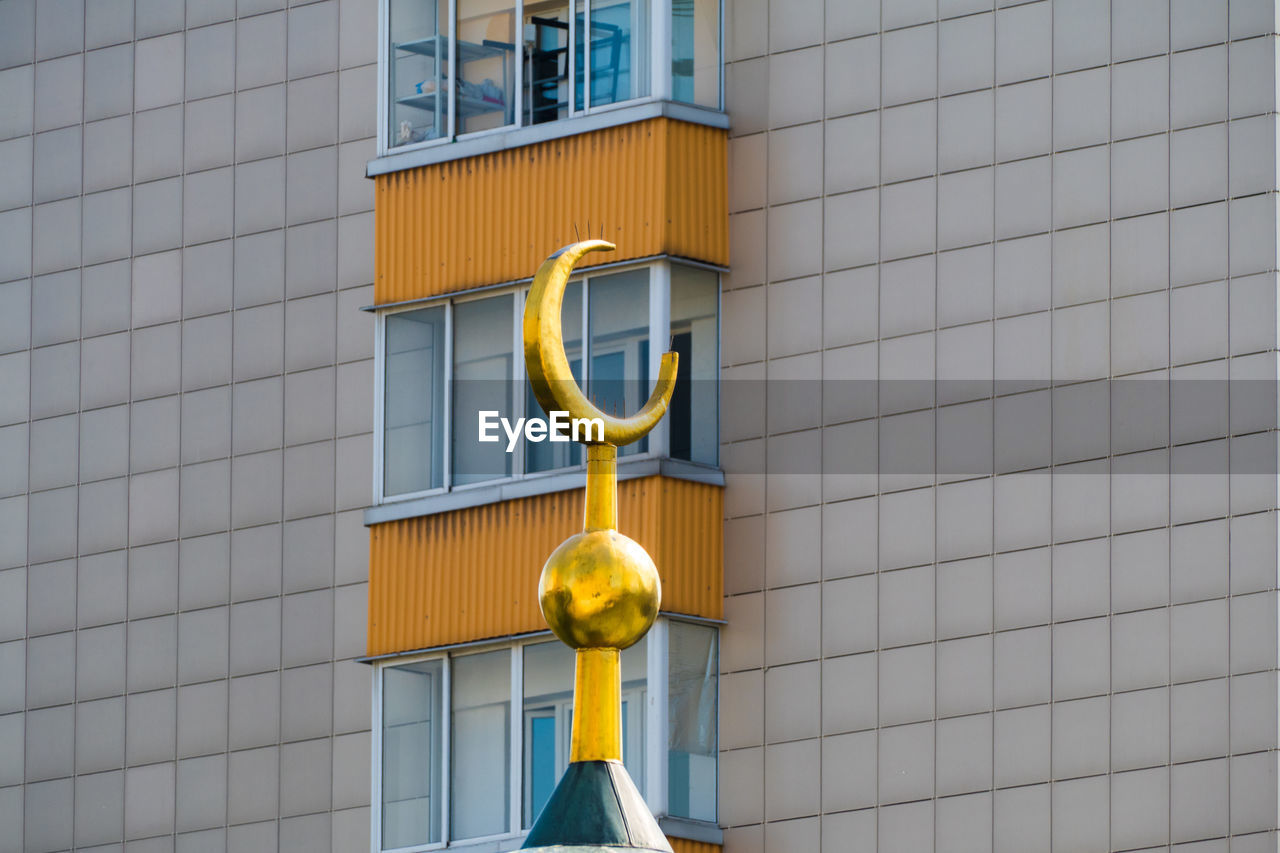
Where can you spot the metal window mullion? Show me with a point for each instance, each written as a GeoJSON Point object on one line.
{"type": "Point", "coordinates": [517, 379]}
{"type": "Point", "coordinates": [660, 49]}
{"type": "Point", "coordinates": [453, 68]}
{"type": "Point", "coordinates": [375, 761]}
{"type": "Point", "coordinates": [386, 74]}
{"type": "Point", "coordinates": [517, 31]}
{"type": "Point", "coordinates": [379, 412]}
{"type": "Point", "coordinates": [659, 331]}
{"type": "Point", "coordinates": [516, 799]}
{"type": "Point", "coordinates": [446, 429]}
{"type": "Point", "coordinates": [586, 56]}
{"type": "Point", "coordinates": [655, 719]}
{"type": "Point", "coordinates": [446, 747]}
{"type": "Point", "coordinates": [586, 338]}
{"type": "Point", "coordinates": [572, 53]}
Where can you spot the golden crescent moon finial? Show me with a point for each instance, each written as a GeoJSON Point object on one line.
{"type": "Point", "coordinates": [548, 367]}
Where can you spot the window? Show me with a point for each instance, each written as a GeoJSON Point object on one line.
{"type": "Point", "coordinates": [442, 364]}
{"type": "Point", "coordinates": [504, 742]}
{"type": "Point", "coordinates": [457, 67]}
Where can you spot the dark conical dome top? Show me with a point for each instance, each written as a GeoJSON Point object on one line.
{"type": "Point", "coordinates": [596, 807]}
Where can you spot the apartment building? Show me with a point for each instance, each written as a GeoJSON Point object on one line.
{"type": "Point", "coordinates": [965, 507]}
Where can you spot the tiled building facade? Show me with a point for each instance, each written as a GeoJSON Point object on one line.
{"type": "Point", "coordinates": [963, 615]}
{"type": "Point", "coordinates": [187, 237]}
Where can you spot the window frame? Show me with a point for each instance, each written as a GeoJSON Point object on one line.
{"type": "Point", "coordinates": [653, 713]}
{"type": "Point", "coordinates": [657, 57]}
{"type": "Point", "coordinates": [659, 330]}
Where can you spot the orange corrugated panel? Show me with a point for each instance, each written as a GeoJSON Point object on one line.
{"type": "Point", "coordinates": [656, 186]}
{"type": "Point", "coordinates": [684, 845]}
{"type": "Point", "coordinates": [473, 573]}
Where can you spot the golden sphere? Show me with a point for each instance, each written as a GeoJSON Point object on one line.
{"type": "Point", "coordinates": [599, 590]}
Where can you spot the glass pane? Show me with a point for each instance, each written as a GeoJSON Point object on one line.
{"type": "Point", "coordinates": [413, 415]}
{"type": "Point", "coordinates": [635, 679]}
{"type": "Point", "coordinates": [691, 709]}
{"type": "Point", "coordinates": [548, 703]}
{"type": "Point", "coordinates": [548, 718]}
{"type": "Point", "coordinates": [486, 64]}
{"type": "Point", "coordinates": [411, 740]}
{"type": "Point", "coordinates": [480, 689]}
{"type": "Point", "coordinates": [417, 71]}
{"type": "Point", "coordinates": [694, 413]}
{"type": "Point", "coordinates": [695, 52]}
{"type": "Point", "coordinates": [618, 381]}
{"type": "Point", "coordinates": [546, 455]}
{"type": "Point", "coordinates": [482, 356]}
{"type": "Point", "coordinates": [546, 57]}
{"type": "Point", "coordinates": [618, 46]}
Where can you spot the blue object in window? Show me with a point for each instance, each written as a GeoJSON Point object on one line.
{"type": "Point", "coordinates": [542, 760]}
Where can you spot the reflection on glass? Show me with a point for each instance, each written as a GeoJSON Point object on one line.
{"type": "Point", "coordinates": [618, 32]}
{"type": "Point", "coordinates": [694, 413]}
{"type": "Point", "coordinates": [413, 440]}
{"type": "Point", "coordinates": [691, 710]}
{"type": "Point", "coordinates": [548, 706]}
{"type": "Point", "coordinates": [481, 744]}
{"type": "Point", "coordinates": [548, 718]}
{"type": "Point", "coordinates": [618, 309]}
{"type": "Point", "coordinates": [411, 740]}
{"type": "Point", "coordinates": [546, 70]}
{"type": "Point", "coordinates": [486, 64]}
{"type": "Point", "coordinates": [695, 52]}
{"type": "Point", "coordinates": [418, 71]}
{"type": "Point", "coordinates": [482, 354]}
{"type": "Point", "coordinates": [546, 455]}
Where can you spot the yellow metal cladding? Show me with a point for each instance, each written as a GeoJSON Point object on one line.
{"type": "Point", "coordinates": [658, 186]}
{"type": "Point", "coordinates": [684, 845]}
{"type": "Point", "coordinates": [473, 573]}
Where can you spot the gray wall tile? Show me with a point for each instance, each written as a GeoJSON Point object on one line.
{"type": "Point", "coordinates": [202, 718]}
{"type": "Point", "coordinates": [259, 126]}
{"type": "Point", "coordinates": [206, 278]}
{"type": "Point", "coordinates": [204, 571]}
{"type": "Point", "coordinates": [100, 735]}
{"type": "Point", "coordinates": [157, 214]}
{"type": "Point", "coordinates": [153, 580]}
{"type": "Point", "coordinates": [205, 495]}
{"type": "Point", "coordinates": [19, 21]}
{"type": "Point", "coordinates": [255, 710]}
{"type": "Point", "coordinates": [210, 56]}
{"type": "Point", "coordinates": [46, 806]}
{"type": "Point", "coordinates": [101, 589]}
{"type": "Point", "coordinates": [100, 665]}
{"type": "Point", "coordinates": [260, 50]}
{"type": "Point", "coordinates": [57, 164]}
{"type": "Point", "coordinates": [149, 800]}
{"type": "Point", "coordinates": [206, 351]}
{"type": "Point", "coordinates": [108, 86]}
{"type": "Point", "coordinates": [103, 515]}
{"type": "Point", "coordinates": [158, 73]}
{"type": "Point", "coordinates": [255, 562]}
{"type": "Point", "coordinates": [50, 670]}
{"type": "Point", "coordinates": [207, 205]}
{"type": "Point", "coordinates": [99, 813]}
{"type": "Point", "coordinates": [209, 133]}
{"type": "Point", "coordinates": [157, 150]}
{"type": "Point", "coordinates": [202, 645]}
{"type": "Point", "coordinates": [107, 22]}
{"type": "Point", "coordinates": [104, 298]}
{"type": "Point", "coordinates": [17, 85]}
{"type": "Point", "coordinates": [58, 92]}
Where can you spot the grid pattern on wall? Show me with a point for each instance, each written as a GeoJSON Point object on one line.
{"type": "Point", "coordinates": [1078, 652]}
{"type": "Point", "coordinates": [185, 239]}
